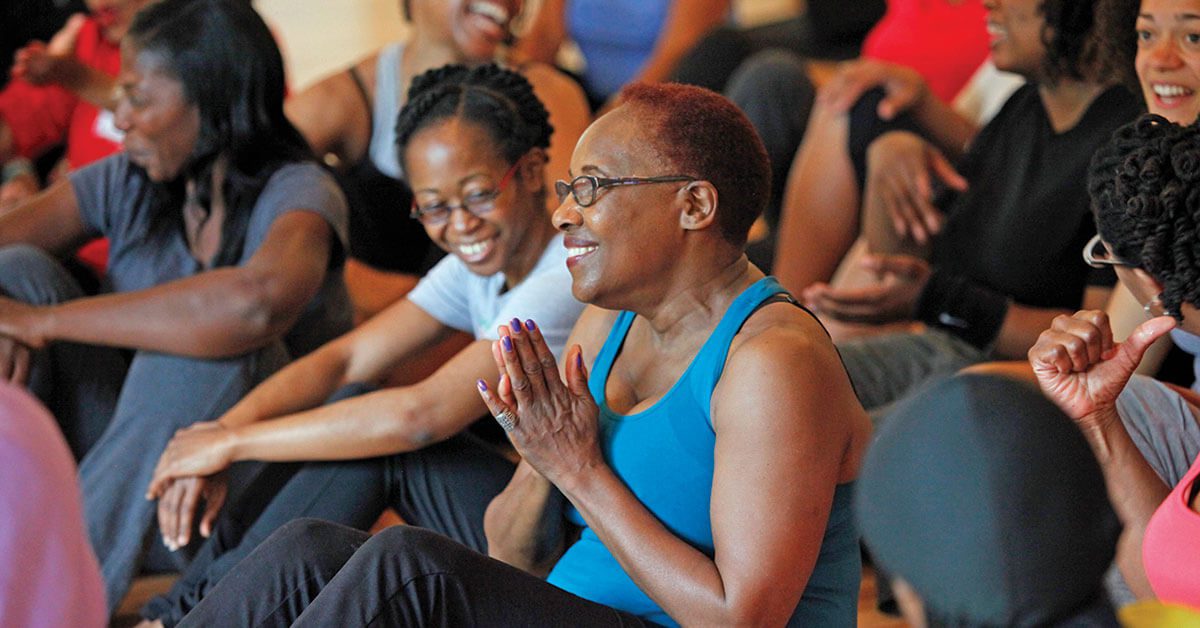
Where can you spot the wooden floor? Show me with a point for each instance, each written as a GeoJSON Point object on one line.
{"type": "Point", "coordinates": [147, 587]}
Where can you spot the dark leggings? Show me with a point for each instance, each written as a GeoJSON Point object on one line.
{"type": "Point", "coordinates": [313, 573]}
{"type": "Point", "coordinates": [445, 487]}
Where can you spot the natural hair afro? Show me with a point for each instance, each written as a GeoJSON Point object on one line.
{"type": "Point", "coordinates": [1145, 190]}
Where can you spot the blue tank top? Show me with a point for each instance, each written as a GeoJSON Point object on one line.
{"type": "Point", "coordinates": [614, 49]}
{"type": "Point", "coordinates": [664, 454]}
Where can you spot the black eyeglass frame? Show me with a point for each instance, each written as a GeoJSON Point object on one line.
{"type": "Point", "coordinates": [563, 188]}
{"type": "Point", "coordinates": [483, 203]}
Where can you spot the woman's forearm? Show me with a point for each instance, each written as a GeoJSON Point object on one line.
{"type": "Point", "coordinates": [1134, 489]}
{"type": "Point", "coordinates": [524, 524]}
{"type": "Point", "coordinates": [302, 385]}
{"type": "Point", "coordinates": [686, 24]}
{"type": "Point", "coordinates": [217, 314]}
{"type": "Point", "coordinates": [376, 424]}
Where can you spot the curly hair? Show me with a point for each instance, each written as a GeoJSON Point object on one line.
{"type": "Point", "coordinates": [706, 136]}
{"type": "Point", "coordinates": [1116, 38]}
{"type": "Point", "coordinates": [499, 100]}
{"type": "Point", "coordinates": [1073, 43]}
{"type": "Point", "coordinates": [1145, 190]}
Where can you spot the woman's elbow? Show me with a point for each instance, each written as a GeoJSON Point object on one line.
{"type": "Point", "coordinates": [264, 307]}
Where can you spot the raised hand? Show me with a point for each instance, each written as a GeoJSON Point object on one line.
{"type": "Point", "coordinates": [1081, 369]}
{"type": "Point", "coordinates": [553, 425]}
{"type": "Point", "coordinates": [201, 449]}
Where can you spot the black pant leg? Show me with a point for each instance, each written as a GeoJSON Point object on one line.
{"type": "Point", "coordinates": [408, 576]}
{"type": "Point", "coordinates": [447, 487]}
{"type": "Point", "coordinates": [280, 577]}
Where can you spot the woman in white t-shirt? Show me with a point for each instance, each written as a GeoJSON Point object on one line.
{"type": "Point", "coordinates": [474, 144]}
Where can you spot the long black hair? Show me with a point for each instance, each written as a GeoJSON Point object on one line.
{"type": "Point", "coordinates": [225, 57]}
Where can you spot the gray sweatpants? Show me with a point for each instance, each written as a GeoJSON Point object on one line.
{"type": "Point", "coordinates": [119, 413]}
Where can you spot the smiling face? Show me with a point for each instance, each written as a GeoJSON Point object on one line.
{"type": "Point", "coordinates": [476, 27]}
{"type": "Point", "coordinates": [452, 161]}
{"type": "Point", "coordinates": [114, 16]}
{"type": "Point", "coordinates": [1168, 58]}
{"type": "Point", "coordinates": [619, 244]}
{"type": "Point", "coordinates": [161, 127]}
{"type": "Point", "coordinates": [1016, 28]}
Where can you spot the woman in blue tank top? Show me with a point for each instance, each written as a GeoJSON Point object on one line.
{"type": "Point", "coordinates": [701, 474]}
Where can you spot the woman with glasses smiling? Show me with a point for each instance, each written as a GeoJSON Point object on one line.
{"type": "Point", "coordinates": [1145, 188]}
{"type": "Point", "coordinates": [473, 142]}
{"type": "Point", "coordinates": [703, 431]}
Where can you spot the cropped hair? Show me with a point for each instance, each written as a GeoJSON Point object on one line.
{"type": "Point", "coordinates": [226, 60]}
{"type": "Point", "coordinates": [497, 99]}
{"type": "Point", "coordinates": [1145, 191]}
{"type": "Point", "coordinates": [704, 135]}
{"type": "Point", "coordinates": [1073, 43]}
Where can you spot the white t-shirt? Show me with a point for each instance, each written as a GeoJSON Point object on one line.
{"type": "Point", "coordinates": [463, 300]}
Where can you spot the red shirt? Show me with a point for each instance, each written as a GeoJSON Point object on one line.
{"type": "Point", "coordinates": [946, 42]}
{"type": "Point", "coordinates": [41, 117]}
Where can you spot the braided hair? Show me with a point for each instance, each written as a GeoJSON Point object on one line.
{"type": "Point", "coordinates": [498, 100]}
{"type": "Point", "coordinates": [1145, 191]}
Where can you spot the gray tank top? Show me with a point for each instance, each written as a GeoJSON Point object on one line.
{"type": "Point", "coordinates": [388, 101]}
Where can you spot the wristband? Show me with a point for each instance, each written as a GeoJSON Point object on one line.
{"type": "Point", "coordinates": [16, 167]}
{"type": "Point", "coordinates": [963, 308]}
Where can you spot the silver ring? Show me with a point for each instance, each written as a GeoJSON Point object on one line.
{"type": "Point", "coordinates": [507, 420]}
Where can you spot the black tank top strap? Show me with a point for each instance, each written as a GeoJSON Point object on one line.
{"type": "Point", "coordinates": [783, 297]}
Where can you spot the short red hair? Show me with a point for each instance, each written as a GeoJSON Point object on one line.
{"type": "Point", "coordinates": [706, 136]}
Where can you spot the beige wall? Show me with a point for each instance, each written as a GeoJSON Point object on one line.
{"type": "Point", "coordinates": [322, 36]}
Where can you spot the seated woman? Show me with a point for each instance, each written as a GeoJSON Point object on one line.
{"type": "Point", "coordinates": [708, 457]}
{"type": "Point", "coordinates": [1146, 435]}
{"type": "Point", "coordinates": [1005, 259]}
{"type": "Point", "coordinates": [226, 249]}
{"type": "Point", "coordinates": [351, 115]}
{"type": "Point", "coordinates": [473, 143]}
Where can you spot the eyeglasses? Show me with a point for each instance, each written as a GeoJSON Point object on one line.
{"type": "Point", "coordinates": [477, 203]}
{"type": "Point", "coordinates": [1097, 255]}
{"type": "Point", "coordinates": [585, 187]}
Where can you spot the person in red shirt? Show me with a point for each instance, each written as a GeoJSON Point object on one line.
{"type": "Point", "coordinates": [38, 111]}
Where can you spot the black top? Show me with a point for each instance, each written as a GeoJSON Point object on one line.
{"type": "Point", "coordinates": [1021, 226]}
{"type": "Point", "coordinates": [382, 234]}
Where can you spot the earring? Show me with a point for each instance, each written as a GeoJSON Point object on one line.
{"type": "Point", "coordinates": [1155, 303]}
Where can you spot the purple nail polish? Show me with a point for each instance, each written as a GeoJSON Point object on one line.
{"type": "Point", "coordinates": [529, 325]}
{"type": "Point", "coordinates": [507, 342]}
{"type": "Point", "coordinates": [516, 325]}
{"type": "Point", "coordinates": [579, 359]}
{"type": "Point", "coordinates": [481, 384]}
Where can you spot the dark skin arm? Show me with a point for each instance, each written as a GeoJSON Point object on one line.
{"type": "Point", "coordinates": [1081, 368]}
{"type": "Point", "coordinates": [759, 571]}
{"type": "Point", "coordinates": [227, 311]}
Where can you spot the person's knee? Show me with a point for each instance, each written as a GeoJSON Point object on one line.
{"type": "Point", "coordinates": [414, 550]}
{"type": "Point", "coordinates": [29, 274]}
{"type": "Point", "coordinates": [308, 539]}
